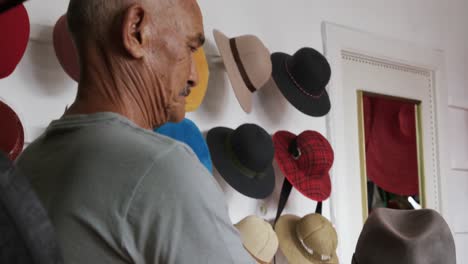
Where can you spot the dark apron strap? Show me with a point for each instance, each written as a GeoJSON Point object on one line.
{"type": "Point", "coordinates": [285, 191]}
{"type": "Point", "coordinates": [318, 209]}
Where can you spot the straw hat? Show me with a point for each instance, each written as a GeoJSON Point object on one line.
{"type": "Point", "coordinates": [258, 238]}
{"type": "Point", "coordinates": [311, 239]}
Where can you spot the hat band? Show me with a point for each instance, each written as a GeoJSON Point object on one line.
{"type": "Point", "coordinates": [249, 173]}
{"type": "Point", "coordinates": [315, 96]}
{"type": "Point", "coordinates": [312, 252]}
{"type": "Point", "coordinates": [240, 65]}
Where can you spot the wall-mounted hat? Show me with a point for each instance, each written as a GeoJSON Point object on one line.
{"type": "Point", "coordinates": [197, 94]}
{"type": "Point", "coordinates": [311, 239]}
{"type": "Point", "coordinates": [405, 236]}
{"type": "Point", "coordinates": [188, 133]}
{"type": "Point", "coordinates": [244, 158]}
{"type": "Point", "coordinates": [14, 27]}
{"type": "Point", "coordinates": [247, 63]}
{"type": "Point", "coordinates": [391, 144]}
{"type": "Point", "coordinates": [302, 78]}
{"type": "Point", "coordinates": [258, 238]}
{"type": "Point", "coordinates": [65, 49]}
{"type": "Point", "coordinates": [305, 161]}
{"type": "Point", "coordinates": [8, 4]}
{"type": "Point", "coordinates": [12, 132]}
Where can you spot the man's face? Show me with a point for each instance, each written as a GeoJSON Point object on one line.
{"type": "Point", "coordinates": [174, 42]}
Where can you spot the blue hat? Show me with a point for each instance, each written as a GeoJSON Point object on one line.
{"type": "Point", "coordinates": [188, 133]}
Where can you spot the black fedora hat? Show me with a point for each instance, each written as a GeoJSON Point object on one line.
{"type": "Point", "coordinates": [244, 158]}
{"type": "Point", "coordinates": [302, 78]}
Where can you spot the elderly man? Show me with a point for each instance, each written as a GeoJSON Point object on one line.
{"type": "Point", "coordinates": [115, 191]}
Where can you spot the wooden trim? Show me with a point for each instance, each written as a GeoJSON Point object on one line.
{"type": "Point", "coordinates": [402, 99]}
{"type": "Point", "coordinates": [459, 166]}
{"type": "Point", "coordinates": [362, 153]}
{"type": "Point", "coordinates": [454, 103]}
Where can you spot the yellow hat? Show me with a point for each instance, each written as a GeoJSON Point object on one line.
{"type": "Point", "coordinates": [197, 94]}
{"type": "Point", "coordinates": [311, 239]}
{"type": "Point", "coordinates": [259, 238]}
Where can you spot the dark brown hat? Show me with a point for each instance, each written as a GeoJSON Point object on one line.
{"type": "Point", "coordinates": [405, 237]}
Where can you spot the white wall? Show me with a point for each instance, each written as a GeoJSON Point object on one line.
{"type": "Point", "coordinates": [39, 90]}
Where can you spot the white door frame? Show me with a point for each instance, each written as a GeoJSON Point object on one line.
{"type": "Point", "coordinates": [346, 199]}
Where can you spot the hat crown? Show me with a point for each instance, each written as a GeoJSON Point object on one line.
{"type": "Point", "coordinates": [316, 154]}
{"type": "Point", "coordinates": [188, 132]}
{"type": "Point", "coordinates": [253, 147]}
{"type": "Point", "coordinates": [409, 233]}
{"type": "Point", "coordinates": [258, 237]}
{"type": "Point", "coordinates": [309, 69]}
{"type": "Point", "coordinates": [15, 28]}
{"type": "Point", "coordinates": [317, 234]}
{"type": "Point", "coordinates": [255, 59]}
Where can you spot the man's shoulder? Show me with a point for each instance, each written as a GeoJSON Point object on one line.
{"type": "Point", "coordinates": [125, 140]}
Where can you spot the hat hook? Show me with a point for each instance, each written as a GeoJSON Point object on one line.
{"type": "Point", "coordinates": [294, 150]}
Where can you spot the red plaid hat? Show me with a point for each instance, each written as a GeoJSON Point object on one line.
{"type": "Point", "coordinates": [65, 49]}
{"type": "Point", "coordinates": [12, 133]}
{"type": "Point", "coordinates": [14, 28]}
{"type": "Point", "coordinates": [305, 161]}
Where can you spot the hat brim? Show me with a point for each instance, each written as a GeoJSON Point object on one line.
{"type": "Point", "coordinates": [308, 105]}
{"type": "Point", "coordinates": [291, 246]}
{"type": "Point", "coordinates": [321, 189]}
{"type": "Point", "coordinates": [12, 138]}
{"type": "Point", "coordinates": [242, 92]}
{"type": "Point", "coordinates": [258, 188]}
{"type": "Point", "coordinates": [65, 49]}
{"type": "Point", "coordinates": [15, 28]}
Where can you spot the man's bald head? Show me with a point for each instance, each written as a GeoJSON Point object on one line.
{"type": "Point", "coordinates": [93, 18]}
{"type": "Point", "coordinates": [136, 55]}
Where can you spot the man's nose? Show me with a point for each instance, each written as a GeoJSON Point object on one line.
{"type": "Point", "coordinates": [193, 79]}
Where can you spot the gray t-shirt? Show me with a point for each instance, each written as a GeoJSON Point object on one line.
{"type": "Point", "coordinates": [117, 193]}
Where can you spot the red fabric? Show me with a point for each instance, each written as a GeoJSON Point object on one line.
{"type": "Point", "coordinates": [310, 173]}
{"type": "Point", "coordinates": [391, 149]}
{"type": "Point", "coordinates": [11, 132]}
{"type": "Point", "coordinates": [14, 30]}
{"type": "Point", "coordinates": [65, 49]}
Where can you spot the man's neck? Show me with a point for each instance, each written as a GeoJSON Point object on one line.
{"type": "Point", "coordinates": [96, 104]}
{"type": "Point", "coordinates": [105, 87]}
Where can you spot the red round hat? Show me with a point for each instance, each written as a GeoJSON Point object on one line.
{"type": "Point", "coordinates": [14, 27]}
{"type": "Point", "coordinates": [391, 149]}
{"type": "Point", "coordinates": [65, 49]}
{"type": "Point", "coordinates": [308, 168]}
{"type": "Point", "coordinates": [12, 133]}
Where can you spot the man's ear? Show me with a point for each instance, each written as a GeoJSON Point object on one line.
{"type": "Point", "coordinates": [134, 30]}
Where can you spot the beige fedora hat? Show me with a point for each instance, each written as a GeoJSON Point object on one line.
{"type": "Point", "coordinates": [247, 63]}
{"type": "Point", "coordinates": [258, 238]}
{"type": "Point", "coordinates": [311, 239]}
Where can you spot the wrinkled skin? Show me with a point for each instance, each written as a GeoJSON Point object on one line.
{"type": "Point", "coordinates": [145, 67]}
